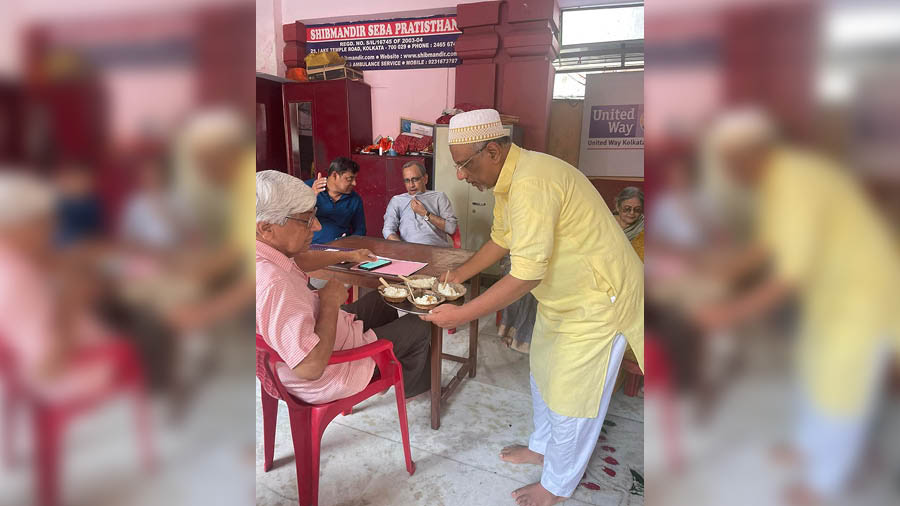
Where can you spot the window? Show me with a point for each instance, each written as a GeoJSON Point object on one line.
{"type": "Point", "coordinates": [607, 24]}
{"type": "Point", "coordinates": [598, 39]}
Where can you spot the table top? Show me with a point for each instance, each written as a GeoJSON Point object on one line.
{"type": "Point", "coordinates": [439, 260]}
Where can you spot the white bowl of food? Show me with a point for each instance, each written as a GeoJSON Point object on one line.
{"type": "Point", "coordinates": [426, 299]}
{"type": "Point", "coordinates": [421, 281]}
{"type": "Point", "coordinates": [450, 291]}
{"type": "Point", "coordinates": [393, 293]}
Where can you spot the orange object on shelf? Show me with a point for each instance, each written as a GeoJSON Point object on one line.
{"type": "Point", "coordinates": [297, 74]}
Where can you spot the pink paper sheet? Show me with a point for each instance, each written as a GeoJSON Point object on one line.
{"type": "Point", "coordinates": [397, 268]}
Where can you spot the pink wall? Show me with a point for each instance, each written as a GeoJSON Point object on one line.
{"type": "Point", "coordinates": [418, 94]}
{"type": "Point", "coordinates": [269, 38]}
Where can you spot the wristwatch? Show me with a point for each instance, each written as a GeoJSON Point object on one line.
{"type": "Point", "coordinates": [427, 216]}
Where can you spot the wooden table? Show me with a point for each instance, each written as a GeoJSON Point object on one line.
{"type": "Point", "coordinates": [439, 260]}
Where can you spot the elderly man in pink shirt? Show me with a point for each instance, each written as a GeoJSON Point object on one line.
{"type": "Point", "coordinates": [45, 317]}
{"type": "Point", "coordinates": [306, 326]}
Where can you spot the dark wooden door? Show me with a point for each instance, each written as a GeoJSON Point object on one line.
{"type": "Point", "coordinates": [271, 152]}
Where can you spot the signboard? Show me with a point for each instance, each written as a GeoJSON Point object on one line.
{"type": "Point", "coordinates": [395, 44]}
{"type": "Point", "coordinates": [612, 138]}
{"type": "Point", "coordinates": [616, 127]}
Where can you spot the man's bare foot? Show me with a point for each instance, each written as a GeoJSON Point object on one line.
{"type": "Point", "coordinates": [535, 495]}
{"type": "Point", "coordinates": [518, 454]}
{"type": "Point", "coordinates": [801, 495]}
{"type": "Point", "coordinates": [786, 455]}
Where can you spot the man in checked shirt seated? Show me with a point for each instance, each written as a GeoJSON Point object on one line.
{"type": "Point", "coordinates": [304, 326]}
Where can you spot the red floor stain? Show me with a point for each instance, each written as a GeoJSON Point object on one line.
{"type": "Point", "coordinates": [610, 460]}
{"type": "Point", "coordinates": [609, 449]}
{"type": "Point", "coordinates": [591, 486]}
{"type": "Point", "coordinates": [602, 438]}
{"type": "Point", "coordinates": [609, 471]}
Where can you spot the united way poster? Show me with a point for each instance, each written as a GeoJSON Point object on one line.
{"type": "Point", "coordinates": [612, 130]}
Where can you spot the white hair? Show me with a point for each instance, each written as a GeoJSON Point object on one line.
{"type": "Point", "coordinates": [279, 195]}
{"type": "Point", "coordinates": [23, 197]}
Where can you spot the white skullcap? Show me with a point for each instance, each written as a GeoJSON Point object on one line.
{"type": "Point", "coordinates": [746, 127]}
{"type": "Point", "coordinates": [475, 126]}
{"type": "Point", "coordinates": [217, 128]}
{"type": "Point", "coordinates": [24, 197]}
{"type": "Point", "coordinates": [279, 195]}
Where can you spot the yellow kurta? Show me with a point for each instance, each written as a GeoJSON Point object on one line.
{"type": "Point", "coordinates": [242, 202]}
{"type": "Point", "coordinates": [827, 240]}
{"type": "Point", "coordinates": [558, 229]}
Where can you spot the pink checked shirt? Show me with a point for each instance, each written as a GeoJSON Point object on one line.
{"type": "Point", "coordinates": [286, 312]}
{"type": "Point", "coordinates": [27, 308]}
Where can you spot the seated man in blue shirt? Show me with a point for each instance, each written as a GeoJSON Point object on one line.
{"type": "Point", "coordinates": [419, 216]}
{"type": "Point", "coordinates": [339, 208]}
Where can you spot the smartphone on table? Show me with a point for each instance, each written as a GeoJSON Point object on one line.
{"type": "Point", "coordinates": [371, 266]}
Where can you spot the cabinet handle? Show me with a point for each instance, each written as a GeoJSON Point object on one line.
{"type": "Point", "coordinates": [479, 204]}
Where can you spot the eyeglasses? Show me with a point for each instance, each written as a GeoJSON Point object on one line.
{"type": "Point", "coordinates": [413, 180]}
{"type": "Point", "coordinates": [308, 222]}
{"type": "Point", "coordinates": [460, 166]}
{"type": "Point", "coordinates": [629, 209]}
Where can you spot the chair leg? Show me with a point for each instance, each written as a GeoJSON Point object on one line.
{"type": "Point", "coordinates": [404, 427]}
{"type": "Point", "coordinates": [317, 428]}
{"type": "Point", "coordinates": [270, 417]}
{"type": "Point", "coordinates": [145, 433]}
{"type": "Point", "coordinates": [9, 419]}
{"type": "Point", "coordinates": [452, 331]}
{"type": "Point", "coordinates": [671, 437]}
{"type": "Point", "coordinates": [131, 374]}
{"type": "Point", "coordinates": [632, 384]}
{"type": "Point", "coordinates": [499, 318]}
{"type": "Point", "coordinates": [302, 435]}
{"type": "Point", "coordinates": [46, 476]}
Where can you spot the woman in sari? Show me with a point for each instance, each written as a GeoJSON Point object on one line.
{"type": "Point", "coordinates": [629, 214]}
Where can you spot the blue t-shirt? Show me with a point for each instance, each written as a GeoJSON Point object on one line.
{"type": "Point", "coordinates": [346, 216]}
{"type": "Point", "coordinates": [78, 218]}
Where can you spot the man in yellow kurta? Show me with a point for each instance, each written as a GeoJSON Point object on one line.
{"type": "Point", "coordinates": [568, 251]}
{"type": "Point", "coordinates": [214, 145]}
{"type": "Point", "coordinates": [829, 248]}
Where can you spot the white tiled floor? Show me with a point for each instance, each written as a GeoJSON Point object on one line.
{"type": "Point", "coordinates": [205, 459]}
{"type": "Point", "coordinates": [458, 465]}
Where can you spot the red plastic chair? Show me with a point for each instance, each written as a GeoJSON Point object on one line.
{"type": "Point", "coordinates": [659, 382]}
{"type": "Point", "coordinates": [308, 421]}
{"type": "Point", "coordinates": [50, 419]}
{"type": "Point", "coordinates": [633, 375]}
{"type": "Point", "coordinates": [349, 296]}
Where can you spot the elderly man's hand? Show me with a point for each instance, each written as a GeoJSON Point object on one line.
{"type": "Point", "coordinates": [447, 316]}
{"type": "Point", "coordinates": [185, 318]}
{"type": "Point", "coordinates": [362, 255]}
{"type": "Point", "coordinates": [711, 317]}
{"type": "Point", "coordinates": [334, 293]}
{"type": "Point", "coordinates": [417, 207]}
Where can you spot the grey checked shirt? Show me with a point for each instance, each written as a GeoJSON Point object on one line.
{"type": "Point", "coordinates": [401, 220]}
